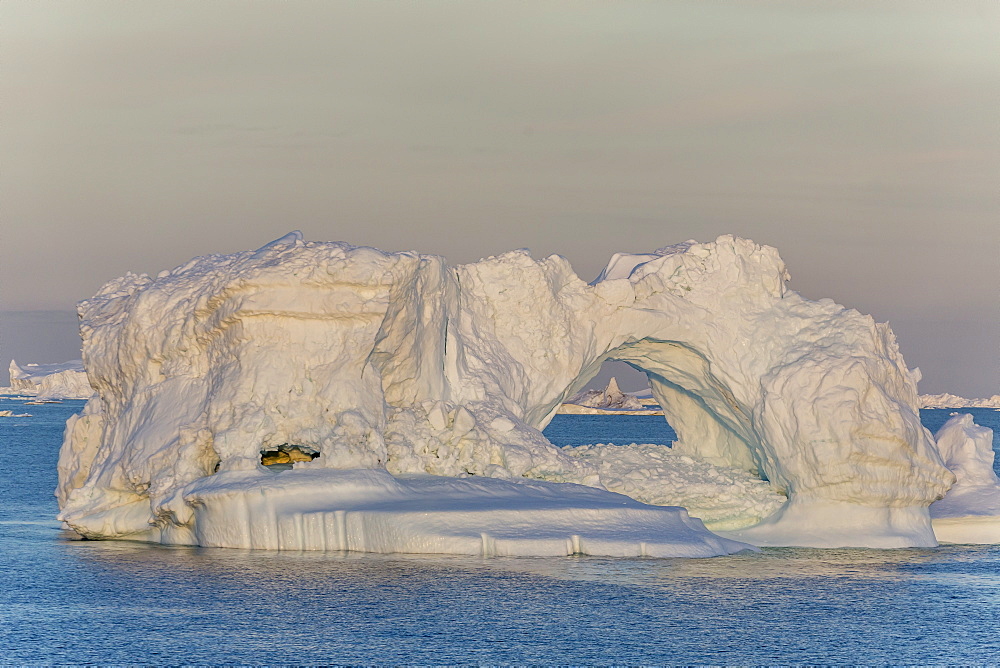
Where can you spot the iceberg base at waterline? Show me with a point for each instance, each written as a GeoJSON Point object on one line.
{"type": "Point", "coordinates": [977, 523]}
{"type": "Point", "coordinates": [369, 510]}
{"type": "Point", "coordinates": [968, 513]}
{"type": "Point", "coordinates": [817, 522]}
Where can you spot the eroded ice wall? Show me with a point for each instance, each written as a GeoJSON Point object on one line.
{"type": "Point", "coordinates": [398, 361]}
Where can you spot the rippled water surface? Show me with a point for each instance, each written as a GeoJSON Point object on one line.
{"type": "Point", "coordinates": [63, 600]}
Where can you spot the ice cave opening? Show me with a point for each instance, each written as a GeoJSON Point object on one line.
{"type": "Point", "coordinates": [697, 402]}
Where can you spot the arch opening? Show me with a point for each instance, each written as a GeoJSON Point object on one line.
{"type": "Point", "coordinates": [617, 389]}
{"type": "Point", "coordinates": [709, 420]}
{"type": "Point", "coordinates": [712, 465]}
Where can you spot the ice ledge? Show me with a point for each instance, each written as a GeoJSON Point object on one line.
{"type": "Point", "coordinates": [969, 530]}
{"type": "Point", "coordinates": [373, 511]}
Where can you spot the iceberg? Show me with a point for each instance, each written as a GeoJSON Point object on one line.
{"type": "Point", "coordinates": [970, 511]}
{"type": "Point", "coordinates": [609, 398]}
{"type": "Point", "coordinates": [954, 401]}
{"type": "Point", "coordinates": [609, 401]}
{"type": "Point", "coordinates": [724, 498]}
{"type": "Point", "coordinates": [397, 363]}
{"type": "Point", "coordinates": [65, 380]}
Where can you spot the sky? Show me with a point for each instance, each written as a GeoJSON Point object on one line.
{"type": "Point", "coordinates": [861, 139]}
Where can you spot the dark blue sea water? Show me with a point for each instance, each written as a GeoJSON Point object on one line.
{"type": "Point", "coordinates": [68, 601]}
{"type": "Point", "coordinates": [583, 429]}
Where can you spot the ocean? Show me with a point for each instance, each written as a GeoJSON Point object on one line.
{"type": "Point", "coordinates": [70, 601]}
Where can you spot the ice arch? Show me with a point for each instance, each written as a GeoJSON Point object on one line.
{"type": "Point", "coordinates": [398, 361]}
{"type": "Point", "coordinates": [702, 410]}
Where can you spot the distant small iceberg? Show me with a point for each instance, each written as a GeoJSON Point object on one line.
{"type": "Point", "coordinates": [64, 380]}
{"type": "Point", "coordinates": [611, 401]}
{"type": "Point", "coordinates": [954, 401]}
{"type": "Point", "coordinates": [970, 511]}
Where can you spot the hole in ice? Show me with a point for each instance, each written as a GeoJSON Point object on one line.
{"type": "Point", "coordinates": [283, 456]}
{"type": "Point", "coordinates": [602, 404]}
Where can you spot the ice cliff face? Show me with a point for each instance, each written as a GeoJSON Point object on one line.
{"type": "Point", "coordinates": [398, 361]}
{"type": "Point", "coordinates": [66, 380]}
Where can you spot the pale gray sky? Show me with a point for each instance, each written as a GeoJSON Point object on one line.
{"type": "Point", "coordinates": [862, 139]}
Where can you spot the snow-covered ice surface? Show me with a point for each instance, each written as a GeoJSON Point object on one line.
{"type": "Point", "coordinates": [970, 512]}
{"type": "Point", "coordinates": [65, 380]}
{"type": "Point", "coordinates": [397, 361]}
{"type": "Point", "coordinates": [724, 498]}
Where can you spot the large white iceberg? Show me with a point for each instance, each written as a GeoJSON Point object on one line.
{"type": "Point", "coordinates": [398, 362]}
{"type": "Point", "coordinates": [65, 380]}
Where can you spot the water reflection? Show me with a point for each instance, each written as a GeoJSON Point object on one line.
{"type": "Point", "coordinates": [141, 559]}
{"type": "Point", "coordinates": [778, 605]}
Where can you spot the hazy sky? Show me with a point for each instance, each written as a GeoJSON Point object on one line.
{"type": "Point", "coordinates": [862, 139]}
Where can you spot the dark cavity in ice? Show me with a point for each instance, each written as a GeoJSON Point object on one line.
{"type": "Point", "coordinates": [281, 457]}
